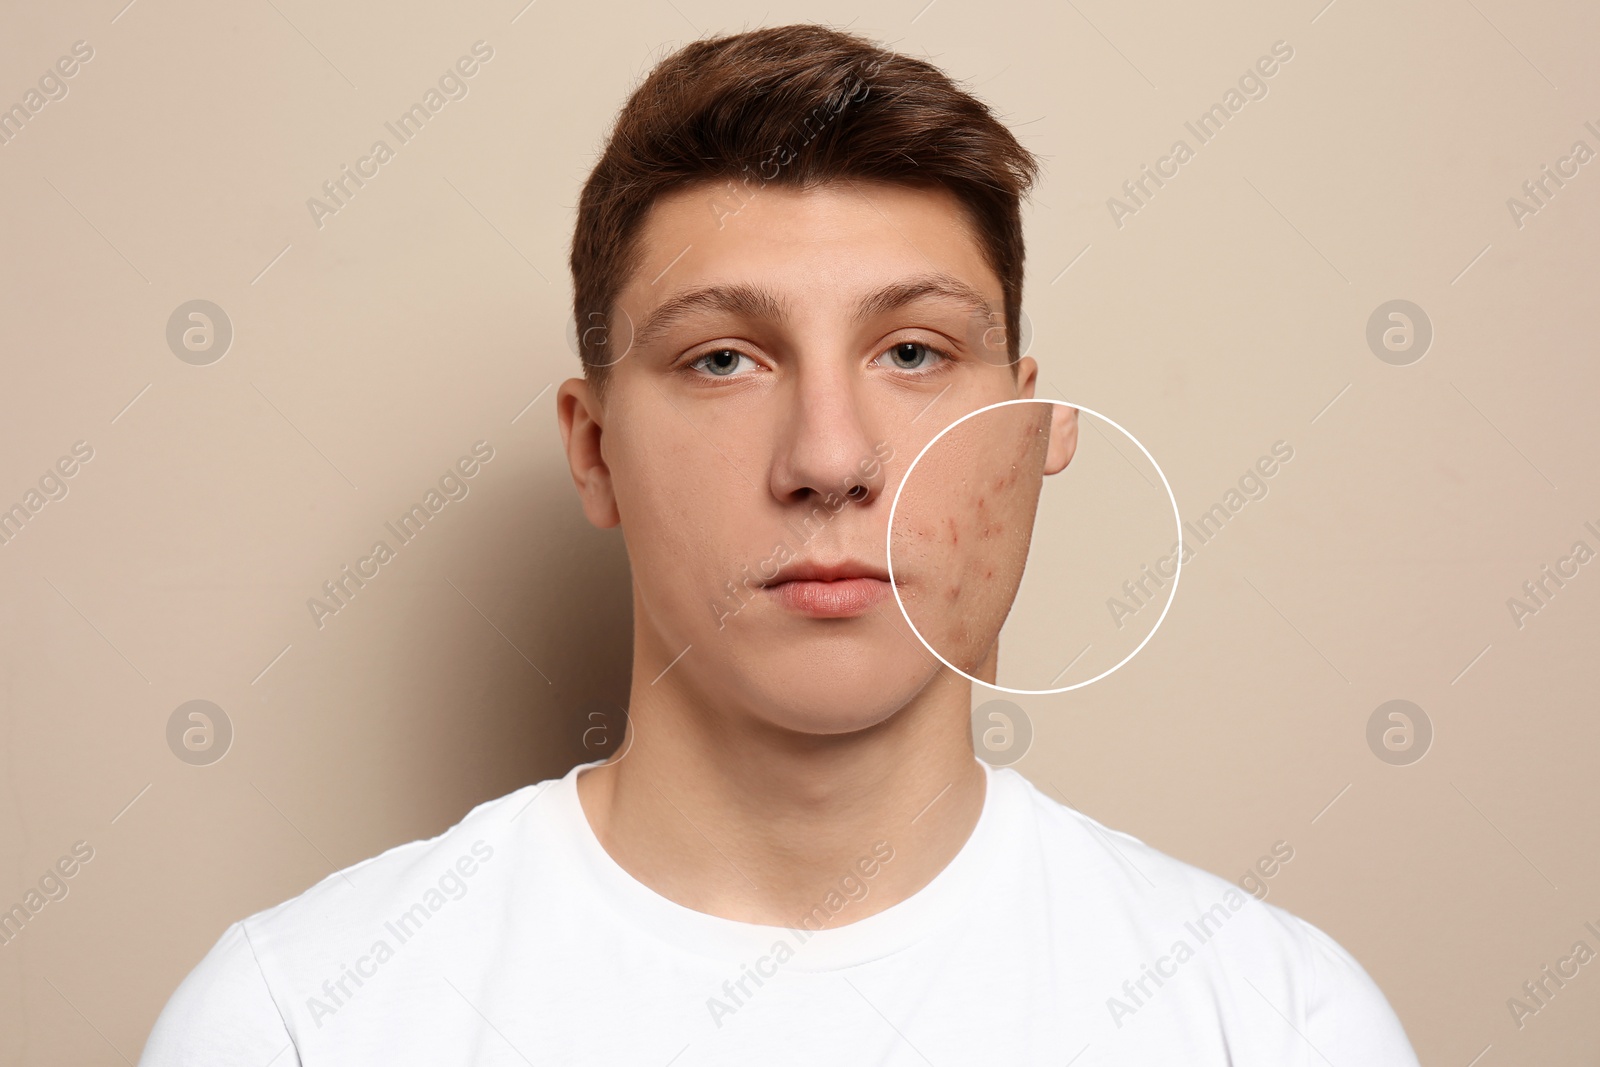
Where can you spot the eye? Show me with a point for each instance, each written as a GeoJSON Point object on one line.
{"type": "Point", "coordinates": [722, 363]}
{"type": "Point", "coordinates": [912, 355]}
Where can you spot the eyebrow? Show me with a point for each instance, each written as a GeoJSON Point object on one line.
{"type": "Point", "coordinates": [941, 286]}
{"type": "Point", "coordinates": [751, 301]}
{"type": "Point", "coordinates": [741, 299]}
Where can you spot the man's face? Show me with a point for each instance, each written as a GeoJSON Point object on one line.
{"type": "Point", "coordinates": [784, 365]}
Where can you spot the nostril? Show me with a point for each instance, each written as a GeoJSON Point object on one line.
{"type": "Point", "coordinates": [857, 492]}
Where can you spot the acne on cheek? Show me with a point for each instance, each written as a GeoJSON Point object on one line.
{"type": "Point", "coordinates": [996, 512]}
{"type": "Point", "coordinates": [963, 545]}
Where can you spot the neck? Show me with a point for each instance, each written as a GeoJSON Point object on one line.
{"type": "Point", "coordinates": [748, 821]}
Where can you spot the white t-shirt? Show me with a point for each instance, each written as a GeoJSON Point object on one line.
{"type": "Point", "coordinates": [515, 938]}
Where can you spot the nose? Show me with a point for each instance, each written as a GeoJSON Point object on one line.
{"type": "Point", "coordinates": [825, 446]}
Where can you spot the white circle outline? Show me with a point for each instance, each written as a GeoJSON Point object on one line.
{"type": "Point", "coordinates": [894, 586]}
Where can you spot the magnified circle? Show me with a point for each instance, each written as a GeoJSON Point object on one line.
{"type": "Point", "coordinates": [1024, 450]}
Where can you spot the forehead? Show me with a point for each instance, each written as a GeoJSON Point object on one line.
{"type": "Point", "coordinates": [819, 247]}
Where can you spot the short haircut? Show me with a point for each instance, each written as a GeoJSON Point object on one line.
{"type": "Point", "coordinates": [795, 106]}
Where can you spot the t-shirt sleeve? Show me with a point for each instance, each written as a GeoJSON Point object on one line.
{"type": "Point", "coordinates": [222, 1015]}
{"type": "Point", "coordinates": [1348, 1020]}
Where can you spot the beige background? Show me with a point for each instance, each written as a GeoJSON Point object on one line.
{"type": "Point", "coordinates": [428, 314]}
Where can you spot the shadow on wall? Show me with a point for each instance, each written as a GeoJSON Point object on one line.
{"type": "Point", "coordinates": [490, 717]}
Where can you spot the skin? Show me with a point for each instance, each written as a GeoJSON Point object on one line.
{"type": "Point", "coordinates": [964, 524]}
{"type": "Point", "coordinates": [762, 763]}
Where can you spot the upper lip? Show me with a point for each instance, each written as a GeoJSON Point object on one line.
{"type": "Point", "coordinates": [817, 571]}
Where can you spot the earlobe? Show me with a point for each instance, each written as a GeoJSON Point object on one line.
{"type": "Point", "coordinates": [582, 432]}
{"type": "Point", "coordinates": [1063, 438]}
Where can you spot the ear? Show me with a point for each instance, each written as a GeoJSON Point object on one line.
{"type": "Point", "coordinates": [582, 436]}
{"type": "Point", "coordinates": [1063, 438]}
{"type": "Point", "coordinates": [1027, 377]}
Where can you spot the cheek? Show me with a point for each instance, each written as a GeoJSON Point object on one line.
{"type": "Point", "coordinates": [986, 539]}
{"type": "Point", "coordinates": [967, 543]}
{"type": "Point", "coordinates": [673, 501]}
{"type": "Point", "coordinates": [988, 505]}
{"type": "Point", "coordinates": [961, 544]}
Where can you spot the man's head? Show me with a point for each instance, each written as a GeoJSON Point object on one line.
{"type": "Point", "coordinates": [789, 107]}
{"type": "Point", "coordinates": [799, 257]}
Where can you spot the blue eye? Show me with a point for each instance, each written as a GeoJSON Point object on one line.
{"type": "Point", "coordinates": [912, 355]}
{"type": "Point", "coordinates": [720, 364]}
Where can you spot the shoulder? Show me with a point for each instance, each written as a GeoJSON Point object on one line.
{"type": "Point", "coordinates": [248, 994]}
{"type": "Point", "coordinates": [440, 868]}
{"type": "Point", "coordinates": [221, 1014]}
{"type": "Point", "coordinates": [1110, 867]}
{"type": "Point", "coordinates": [1156, 916]}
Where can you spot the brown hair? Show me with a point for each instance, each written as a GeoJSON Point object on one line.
{"type": "Point", "coordinates": [798, 106]}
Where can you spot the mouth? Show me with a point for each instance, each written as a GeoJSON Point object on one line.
{"type": "Point", "coordinates": [840, 590]}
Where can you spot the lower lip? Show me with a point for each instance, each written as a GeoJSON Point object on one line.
{"type": "Point", "coordinates": [840, 599]}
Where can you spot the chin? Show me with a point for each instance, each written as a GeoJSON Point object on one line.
{"type": "Point", "coordinates": [839, 699]}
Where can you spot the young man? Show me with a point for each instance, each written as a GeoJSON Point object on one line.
{"type": "Point", "coordinates": [799, 257]}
